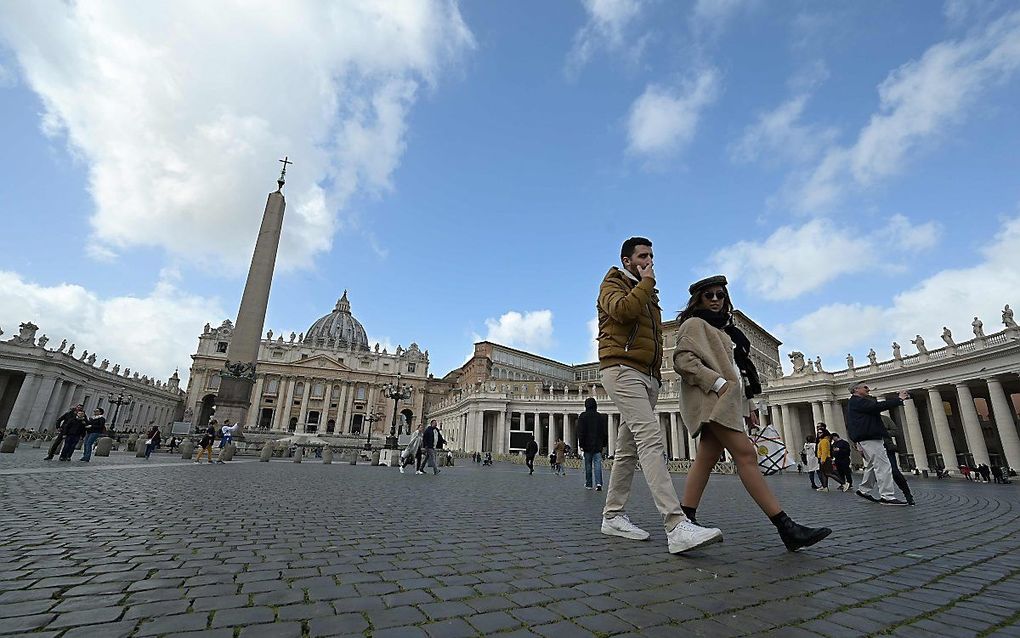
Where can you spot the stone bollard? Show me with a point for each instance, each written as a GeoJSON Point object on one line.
{"type": "Point", "coordinates": [267, 452]}
{"type": "Point", "coordinates": [300, 452]}
{"type": "Point", "coordinates": [187, 449]}
{"type": "Point", "coordinates": [131, 443]}
{"type": "Point", "coordinates": [375, 458]}
{"type": "Point", "coordinates": [354, 457]}
{"type": "Point", "coordinates": [227, 452]}
{"type": "Point", "coordinates": [140, 449]}
{"type": "Point", "coordinates": [104, 446]}
{"type": "Point", "coordinates": [327, 456]}
{"type": "Point", "coordinates": [9, 444]}
{"type": "Point", "coordinates": [37, 443]}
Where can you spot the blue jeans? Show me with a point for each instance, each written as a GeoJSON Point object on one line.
{"type": "Point", "coordinates": [592, 459]}
{"type": "Point", "coordinates": [90, 442]}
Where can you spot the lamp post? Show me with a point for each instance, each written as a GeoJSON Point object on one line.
{"type": "Point", "coordinates": [370, 419]}
{"type": "Point", "coordinates": [398, 393]}
{"type": "Point", "coordinates": [118, 400]}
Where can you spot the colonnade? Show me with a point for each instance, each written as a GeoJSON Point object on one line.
{"type": "Point", "coordinates": [928, 436]}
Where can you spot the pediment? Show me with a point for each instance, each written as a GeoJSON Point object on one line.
{"type": "Point", "coordinates": [321, 362]}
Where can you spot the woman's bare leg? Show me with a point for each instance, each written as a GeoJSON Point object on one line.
{"type": "Point", "coordinates": [746, 460]}
{"type": "Point", "coordinates": [709, 449]}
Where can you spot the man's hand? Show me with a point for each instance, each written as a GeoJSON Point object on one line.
{"type": "Point", "coordinates": [725, 388]}
{"type": "Point", "coordinates": [648, 272]}
{"type": "Point", "coordinates": [904, 395]}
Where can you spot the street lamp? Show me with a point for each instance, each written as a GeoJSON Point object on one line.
{"type": "Point", "coordinates": [370, 419]}
{"type": "Point", "coordinates": [398, 393]}
{"type": "Point", "coordinates": [118, 400]}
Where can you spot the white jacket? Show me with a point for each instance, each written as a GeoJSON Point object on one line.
{"type": "Point", "coordinates": [812, 459]}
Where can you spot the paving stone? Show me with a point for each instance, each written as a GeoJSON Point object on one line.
{"type": "Point", "coordinates": [335, 625]}
{"type": "Point", "coordinates": [273, 630]}
{"type": "Point", "coordinates": [161, 608]}
{"type": "Point", "coordinates": [173, 624]}
{"type": "Point", "coordinates": [106, 630]}
{"type": "Point", "coordinates": [304, 611]}
{"type": "Point", "coordinates": [444, 610]}
{"type": "Point", "coordinates": [87, 617]}
{"type": "Point", "coordinates": [396, 616]}
{"type": "Point", "coordinates": [26, 608]}
{"type": "Point", "coordinates": [451, 628]}
{"type": "Point", "coordinates": [25, 624]}
{"type": "Point", "coordinates": [242, 616]}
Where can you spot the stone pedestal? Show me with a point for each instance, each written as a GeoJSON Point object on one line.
{"type": "Point", "coordinates": [187, 449]}
{"type": "Point", "coordinates": [140, 449]}
{"type": "Point", "coordinates": [354, 457]}
{"type": "Point", "coordinates": [375, 457]}
{"type": "Point", "coordinates": [37, 443]}
{"type": "Point", "coordinates": [327, 456]}
{"type": "Point", "coordinates": [104, 446]}
{"type": "Point", "coordinates": [227, 452]}
{"type": "Point", "coordinates": [390, 458]}
{"type": "Point", "coordinates": [298, 454]}
{"type": "Point", "coordinates": [267, 452]}
{"type": "Point", "coordinates": [132, 443]}
{"type": "Point", "coordinates": [9, 444]}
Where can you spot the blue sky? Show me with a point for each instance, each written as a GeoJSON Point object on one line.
{"type": "Point", "coordinates": [469, 170]}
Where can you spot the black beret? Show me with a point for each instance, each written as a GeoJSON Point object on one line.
{"type": "Point", "coordinates": [714, 280]}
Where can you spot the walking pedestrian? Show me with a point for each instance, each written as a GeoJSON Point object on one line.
{"type": "Point", "coordinates": [630, 358]}
{"type": "Point", "coordinates": [865, 428]}
{"type": "Point", "coordinates": [713, 358]}
{"type": "Point", "coordinates": [173, 444]}
{"type": "Point", "coordinates": [592, 436]}
{"type": "Point", "coordinates": [811, 459]}
{"type": "Point", "coordinates": [432, 439]}
{"type": "Point", "coordinates": [891, 450]}
{"type": "Point", "coordinates": [560, 453]}
{"type": "Point", "coordinates": [205, 445]}
{"type": "Point", "coordinates": [413, 449]}
{"type": "Point", "coordinates": [841, 459]}
{"type": "Point", "coordinates": [74, 430]}
{"type": "Point", "coordinates": [823, 446]}
{"type": "Point", "coordinates": [530, 452]}
{"type": "Point", "coordinates": [95, 429]}
{"type": "Point", "coordinates": [152, 441]}
{"type": "Point", "coordinates": [59, 431]}
{"type": "Point", "coordinates": [227, 434]}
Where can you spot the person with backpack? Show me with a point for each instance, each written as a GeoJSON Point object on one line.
{"type": "Point", "coordinates": [412, 453]}
{"type": "Point", "coordinates": [592, 436]}
{"type": "Point", "coordinates": [205, 445]}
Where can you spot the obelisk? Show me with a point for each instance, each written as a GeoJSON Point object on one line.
{"type": "Point", "coordinates": [238, 375]}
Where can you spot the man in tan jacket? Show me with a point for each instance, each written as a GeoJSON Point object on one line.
{"type": "Point", "coordinates": [630, 356]}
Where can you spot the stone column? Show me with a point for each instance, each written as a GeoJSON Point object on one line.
{"type": "Point", "coordinates": [1002, 412]}
{"type": "Point", "coordinates": [568, 434]}
{"type": "Point", "coordinates": [943, 436]}
{"type": "Point", "coordinates": [23, 402]}
{"type": "Point", "coordinates": [674, 430]}
{"type": "Point", "coordinates": [348, 416]}
{"type": "Point", "coordinates": [42, 399]}
{"type": "Point", "coordinates": [500, 445]}
{"type": "Point", "coordinates": [77, 395]}
{"type": "Point", "coordinates": [480, 429]}
{"type": "Point", "coordinates": [551, 433]}
{"type": "Point", "coordinates": [4, 379]}
{"type": "Point", "coordinates": [839, 416]}
{"type": "Point", "coordinates": [692, 443]}
{"type": "Point", "coordinates": [255, 413]}
{"type": "Point", "coordinates": [56, 405]}
{"type": "Point", "coordinates": [341, 399]}
{"type": "Point", "coordinates": [287, 393]}
{"type": "Point", "coordinates": [306, 398]}
{"type": "Point", "coordinates": [818, 414]}
{"type": "Point", "coordinates": [972, 426]}
{"type": "Point", "coordinates": [791, 428]}
{"type": "Point", "coordinates": [913, 427]}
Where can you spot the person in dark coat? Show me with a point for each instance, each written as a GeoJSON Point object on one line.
{"type": "Point", "coordinates": [865, 428]}
{"type": "Point", "coordinates": [530, 451]}
{"type": "Point", "coordinates": [59, 432]}
{"type": "Point", "coordinates": [206, 444]}
{"type": "Point", "coordinates": [592, 436]}
{"type": "Point", "coordinates": [153, 440]}
{"type": "Point", "coordinates": [432, 440]}
{"type": "Point", "coordinates": [95, 429]}
{"type": "Point", "coordinates": [841, 459]}
{"type": "Point", "coordinates": [74, 430]}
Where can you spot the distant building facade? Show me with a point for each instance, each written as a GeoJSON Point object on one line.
{"type": "Point", "coordinates": [38, 384]}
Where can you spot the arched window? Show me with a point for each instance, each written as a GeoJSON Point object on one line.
{"type": "Point", "coordinates": [273, 386]}
{"type": "Point", "coordinates": [299, 389]}
{"type": "Point", "coordinates": [317, 389]}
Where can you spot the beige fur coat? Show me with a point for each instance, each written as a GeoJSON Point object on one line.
{"type": "Point", "coordinates": [703, 354]}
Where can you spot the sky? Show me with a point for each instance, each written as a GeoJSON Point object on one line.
{"type": "Point", "coordinates": [469, 170]}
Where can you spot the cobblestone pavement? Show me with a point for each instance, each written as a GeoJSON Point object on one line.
{"type": "Point", "coordinates": [282, 549]}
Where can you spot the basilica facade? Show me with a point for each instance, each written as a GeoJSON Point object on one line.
{"type": "Point", "coordinates": [325, 381]}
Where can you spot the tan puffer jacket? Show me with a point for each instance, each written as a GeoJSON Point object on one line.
{"type": "Point", "coordinates": [630, 324]}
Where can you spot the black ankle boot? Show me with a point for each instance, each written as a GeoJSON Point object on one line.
{"type": "Point", "coordinates": [690, 512]}
{"type": "Point", "coordinates": [797, 536]}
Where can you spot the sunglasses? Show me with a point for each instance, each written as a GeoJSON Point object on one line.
{"type": "Point", "coordinates": [720, 295]}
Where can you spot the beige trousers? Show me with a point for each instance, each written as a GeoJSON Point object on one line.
{"type": "Point", "coordinates": [638, 438]}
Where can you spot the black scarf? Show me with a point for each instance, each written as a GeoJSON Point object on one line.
{"type": "Point", "coordinates": [742, 347]}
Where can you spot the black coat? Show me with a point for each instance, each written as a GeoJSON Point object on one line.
{"type": "Point", "coordinates": [433, 438]}
{"type": "Point", "coordinates": [97, 425]}
{"type": "Point", "coordinates": [864, 420]}
{"type": "Point", "coordinates": [63, 420]}
{"type": "Point", "coordinates": [75, 426]}
{"type": "Point", "coordinates": [592, 431]}
{"type": "Point", "coordinates": [532, 449]}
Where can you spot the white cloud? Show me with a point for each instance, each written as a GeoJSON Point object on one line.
{"type": "Point", "coordinates": [593, 343]}
{"type": "Point", "coordinates": [779, 134]}
{"type": "Point", "coordinates": [710, 17]}
{"type": "Point", "coordinates": [663, 120]}
{"type": "Point", "coordinates": [952, 297]}
{"type": "Point", "coordinates": [532, 330]}
{"type": "Point", "coordinates": [182, 159]}
{"type": "Point", "coordinates": [917, 102]}
{"type": "Point", "coordinates": [794, 260]}
{"type": "Point", "coordinates": [607, 22]}
{"type": "Point", "coordinates": [151, 334]}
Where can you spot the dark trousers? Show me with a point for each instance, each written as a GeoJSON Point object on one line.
{"type": "Point", "coordinates": [530, 462]}
{"type": "Point", "coordinates": [897, 475]}
{"type": "Point", "coordinates": [843, 470]}
{"type": "Point", "coordinates": [55, 446]}
{"type": "Point", "coordinates": [825, 472]}
{"type": "Point", "coordinates": [419, 460]}
{"type": "Point", "coordinates": [70, 442]}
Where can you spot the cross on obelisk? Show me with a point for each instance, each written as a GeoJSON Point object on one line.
{"type": "Point", "coordinates": [239, 372]}
{"type": "Point", "coordinates": [283, 173]}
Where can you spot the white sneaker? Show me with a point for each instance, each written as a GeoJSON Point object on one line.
{"type": "Point", "coordinates": [419, 472]}
{"type": "Point", "coordinates": [621, 526]}
{"type": "Point", "coordinates": [686, 535]}
{"type": "Point", "coordinates": [401, 469]}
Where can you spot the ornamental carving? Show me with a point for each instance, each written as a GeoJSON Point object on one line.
{"type": "Point", "coordinates": [239, 370]}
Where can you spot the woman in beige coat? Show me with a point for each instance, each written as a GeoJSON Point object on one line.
{"type": "Point", "coordinates": [713, 359]}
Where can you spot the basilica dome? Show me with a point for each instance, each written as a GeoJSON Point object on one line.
{"type": "Point", "coordinates": [338, 329]}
